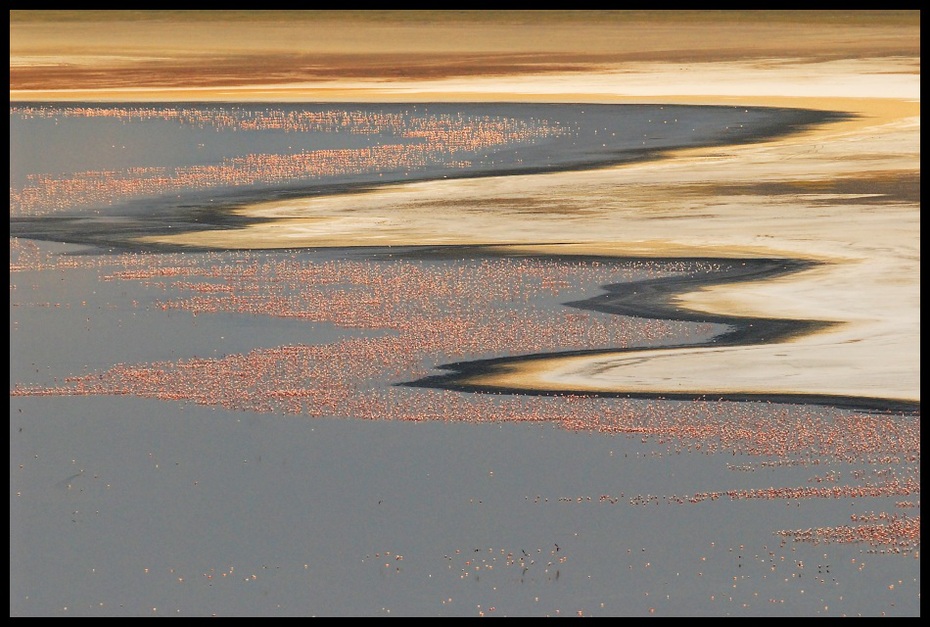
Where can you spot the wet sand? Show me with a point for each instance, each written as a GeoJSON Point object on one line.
{"type": "Point", "coordinates": [654, 299]}
{"type": "Point", "coordinates": [807, 196]}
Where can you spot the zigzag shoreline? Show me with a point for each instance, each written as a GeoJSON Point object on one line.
{"type": "Point", "coordinates": [652, 299]}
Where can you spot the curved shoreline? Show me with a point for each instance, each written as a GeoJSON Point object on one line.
{"type": "Point", "coordinates": [656, 185]}
{"type": "Point", "coordinates": [223, 217]}
{"type": "Point", "coordinates": [652, 299]}
{"type": "Point", "coordinates": [236, 453]}
{"type": "Point", "coordinates": [696, 205]}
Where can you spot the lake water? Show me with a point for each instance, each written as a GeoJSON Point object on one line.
{"type": "Point", "coordinates": [228, 432]}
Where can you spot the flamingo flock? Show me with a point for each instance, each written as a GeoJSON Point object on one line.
{"type": "Point", "coordinates": [412, 140]}
{"type": "Point", "coordinates": [418, 314]}
{"type": "Point", "coordinates": [412, 122]}
{"type": "Point", "coordinates": [895, 534]}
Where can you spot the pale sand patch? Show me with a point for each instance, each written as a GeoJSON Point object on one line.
{"type": "Point", "coordinates": [577, 207]}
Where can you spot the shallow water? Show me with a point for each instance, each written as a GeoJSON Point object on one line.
{"type": "Point", "coordinates": [147, 168]}
{"type": "Point", "coordinates": [139, 488]}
